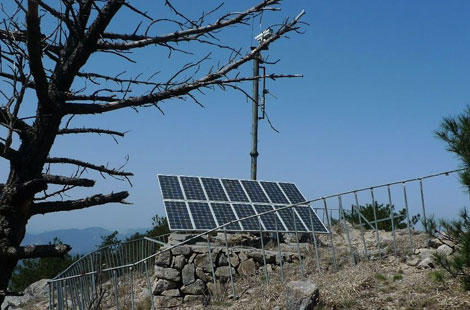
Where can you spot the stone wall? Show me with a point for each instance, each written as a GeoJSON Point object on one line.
{"type": "Point", "coordinates": [184, 274]}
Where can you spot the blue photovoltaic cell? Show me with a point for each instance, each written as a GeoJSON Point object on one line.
{"type": "Point", "coordinates": [223, 213]}
{"type": "Point", "coordinates": [244, 210]}
{"type": "Point", "coordinates": [292, 192]}
{"type": "Point", "coordinates": [254, 191]}
{"type": "Point", "coordinates": [269, 220]}
{"type": "Point", "coordinates": [202, 215]}
{"type": "Point", "coordinates": [192, 188]}
{"type": "Point", "coordinates": [234, 190]}
{"type": "Point", "coordinates": [214, 189]}
{"type": "Point", "coordinates": [288, 217]}
{"type": "Point", "coordinates": [170, 187]}
{"type": "Point", "coordinates": [178, 216]}
{"type": "Point", "coordinates": [305, 213]}
{"type": "Point", "coordinates": [274, 192]}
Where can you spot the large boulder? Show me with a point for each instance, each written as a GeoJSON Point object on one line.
{"type": "Point", "coordinates": [163, 259]}
{"type": "Point", "coordinates": [162, 285]}
{"type": "Point", "coordinates": [167, 274]}
{"type": "Point", "coordinates": [445, 250]}
{"type": "Point", "coordinates": [196, 288]}
{"type": "Point", "coordinates": [187, 274]}
{"type": "Point", "coordinates": [247, 267]}
{"type": "Point", "coordinates": [301, 295]}
{"type": "Point", "coordinates": [224, 272]}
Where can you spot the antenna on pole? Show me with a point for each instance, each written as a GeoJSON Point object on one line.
{"type": "Point", "coordinates": [266, 34]}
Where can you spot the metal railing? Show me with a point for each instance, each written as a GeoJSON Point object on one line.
{"type": "Point", "coordinates": [120, 265]}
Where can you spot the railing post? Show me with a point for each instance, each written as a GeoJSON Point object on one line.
{"type": "Point", "coordinates": [262, 249]}
{"type": "Point", "coordinates": [346, 228]}
{"type": "Point", "coordinates": [149, 285]}
{"type": "Point", "coordinates": [425, 220]}
{"type": "Point", "coordinates": [132, 287]}
{"type": "Point", "coordinates": [333, 251]}
{"type": "Point", "coordinates": [298, 245]}
{"type": "Point", "coordinates": [408, 217]}
{"type": "Point", "coordinates": [317, 257]}
{"type": "Point", "coordinates": [115, 285]}
{"type": "Point", "coordinates": [279, 250]}
{"type": "Point", "coordinates": [358, 210]}
{"type": "Point", "coordinates": [210, 257]}
{"type": "Point", "coordinates": [229, 265]}
{"type": "Point", "coordinates": [376, 223]}
{"type": "Point", "coordinates": [392, 219]}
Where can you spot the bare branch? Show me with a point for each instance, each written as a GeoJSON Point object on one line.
{"type": "Point", "coordinates": [33, 34]}
{"type": "Point", "coordinates": [37, 251]}
{"type": "Point", "coordinates": [62, 160]}
{"type": "Point", "coordinates": [65, 131]}
{"type": "Point", "coordinates": [61, 180]}
{"type": "Point", "coordinates": [69, 205]}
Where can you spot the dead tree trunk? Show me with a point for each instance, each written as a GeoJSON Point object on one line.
{"type": "Point", "coordinates": [48, 66]}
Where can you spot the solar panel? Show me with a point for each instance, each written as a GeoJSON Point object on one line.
{"type": "Point", "coordinates": [288, 218]}
{"type": "Point", "coordinates": [235, 190]}
{"type": "Point", "coordinates": [214, 189]}
{"type": "Point", "coordinates": [274, 192]}
{"type": "Point", "coordinates": [223, 213]}
{"type": "Point", "coordinates": [178, 215]}
{"type": "Point", "coordinates": [202, 215]}
{"type": "Point", "coordinates": [310, 218]}
{"type": "Point", "coordinates": [269, 220]}
{"type": "Point", "coordinates": [199, 204]}
{"type": "Point", "coordinates": [170, 187]}
{"type": "Point", "coordinates": [255, 192]}
{"type": "Point", "coordinates": [244, 210]}
{"type": "Point", "coordinates": [192, 188]}
{"type": "Point", "coordinates": [292, 192]}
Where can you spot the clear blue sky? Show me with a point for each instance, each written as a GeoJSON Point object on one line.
{"type": "Point", "coordinates": [379, 76]}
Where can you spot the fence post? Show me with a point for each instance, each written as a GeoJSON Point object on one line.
{"type": "Point", "coordinates": [333, 251]}
{"type": "Point", "coordinates": [408, 217]}
{"type": "Point", "coordinates": [392, 219]}
{"type": "Point", "coordinates": [375, 219]}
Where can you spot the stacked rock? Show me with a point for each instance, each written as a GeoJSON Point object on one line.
{"type": "Point", "coordinates": [184, 274]}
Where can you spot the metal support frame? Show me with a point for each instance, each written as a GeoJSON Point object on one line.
{"type": "Point", "coordinates": [115, 284]}
{"type": "Point", "coordinates": [149, 285]}
{"type": "Point", "coordinates": [425, 220]}
{"type": "Point", "coordinates": [132, 287]}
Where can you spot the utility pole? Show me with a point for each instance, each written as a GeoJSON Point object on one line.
{"type": "Point", "coordinates": [254, 122]}
{"type": "Point", "coordinates": [255, 118]}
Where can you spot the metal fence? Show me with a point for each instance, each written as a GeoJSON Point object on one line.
{"type": "Point", "coordinates": [121, 265]}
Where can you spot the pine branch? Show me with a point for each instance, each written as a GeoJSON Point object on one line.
{"type": "Point", "coordinates": [37, 251]}
{"type": "Point", "coordinates": [63, 160]}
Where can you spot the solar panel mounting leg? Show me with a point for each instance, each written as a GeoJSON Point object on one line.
{"type": "Point", "coordinates": [229, 265]}
{"type": "Point", "coordinates": [332, 244]}
{"type": "Point", "coordinates": [317, 257]}
{"type": "Point", "coordinates": [210, 257]}
{"type": "Point", "coordinates": [264, 254]}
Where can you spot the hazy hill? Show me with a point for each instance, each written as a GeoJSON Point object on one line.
{"type": "Point", "coordinates": [81, 240]}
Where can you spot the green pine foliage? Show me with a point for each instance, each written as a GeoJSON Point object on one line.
{"type": "Point", "coordinates": [382, 211]}
{"type": "Point", "coordinates": [35, 269]}
{"type": "Point", "coordinates": [455, 233]}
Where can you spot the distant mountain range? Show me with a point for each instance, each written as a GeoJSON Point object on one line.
{"type": "Point", "coordinates": [81, 240]}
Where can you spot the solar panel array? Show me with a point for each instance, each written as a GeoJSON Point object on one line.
{"type": "Point", "coordinates": [199, 204]}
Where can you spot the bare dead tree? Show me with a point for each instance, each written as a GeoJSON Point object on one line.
{"type": "Point", "coordinates": [45, 49]}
